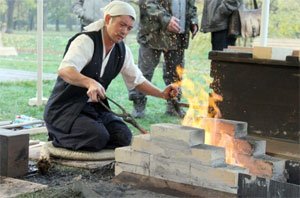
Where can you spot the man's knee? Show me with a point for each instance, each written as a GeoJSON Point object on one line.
{"type": "Point", "coordinates": [125, 140]}
{"type": "Point", "coordinates": [98, 137]}
{"type": "Point", "coordinates": [120, 134]}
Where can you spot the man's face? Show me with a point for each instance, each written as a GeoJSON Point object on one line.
{"type": "Point", "coordinates": [118, 27]}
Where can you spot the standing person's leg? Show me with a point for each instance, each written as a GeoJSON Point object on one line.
{"type": "Point", "coordinates": [231, 40]}
{"type": "Point", "coordinates": [219, 40]}
{"type": "Point", "coordinates": [173, 60]}
{"type": "Point", "coordinates": [148, 61]}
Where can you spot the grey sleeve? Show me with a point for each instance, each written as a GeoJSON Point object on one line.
{"type": "Point", "coordinates": [77, 8]}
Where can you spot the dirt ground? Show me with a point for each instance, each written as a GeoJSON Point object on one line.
{"type": "Point", "coordinates": [66, 181]}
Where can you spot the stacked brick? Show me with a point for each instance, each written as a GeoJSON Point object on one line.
{"type": "Point", "coordinates": [178, 153]}
{"type": "Point", "coordinates": [246, 151]}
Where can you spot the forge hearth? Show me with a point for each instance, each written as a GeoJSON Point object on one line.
{"type": "Point", "coordinates": [179, 154]}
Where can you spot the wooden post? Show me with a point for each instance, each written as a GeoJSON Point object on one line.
{"type": "Point", "coordinates": [39, 100]}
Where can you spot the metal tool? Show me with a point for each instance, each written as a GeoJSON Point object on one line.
{"type": "Point", "coordinates": [126, 116]}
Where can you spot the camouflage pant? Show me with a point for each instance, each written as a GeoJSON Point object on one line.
{"type": "Point", "coordinates": [148, 61]}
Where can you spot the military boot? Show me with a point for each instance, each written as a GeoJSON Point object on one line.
{"type": "Point", "coordinates": [139, 106]}
{"type": "Point", "coordinates": [173, 109]}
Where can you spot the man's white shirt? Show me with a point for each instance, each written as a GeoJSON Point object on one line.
{"type": "Point", "coordinates": [81, 51]}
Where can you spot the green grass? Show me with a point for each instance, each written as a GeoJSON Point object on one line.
{"type": "Point", "coordinates": [14, 96]}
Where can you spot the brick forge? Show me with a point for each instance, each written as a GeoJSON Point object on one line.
{"type": "Point", "coordinates": [179, 153]}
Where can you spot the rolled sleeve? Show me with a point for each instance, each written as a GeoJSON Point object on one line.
{"type": "Point", "coordinates": [131, 74]}
{"type": "Point", "coordinates": [79, 54]}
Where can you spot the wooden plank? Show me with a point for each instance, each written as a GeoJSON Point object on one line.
{"type": "Point", "coordinates": [272, 53]}
{"type": "Point", "coordinates": [10, 126]}
{"type": "Point", "coordinates": [238, 49]}
{"type": "Point", "coordinates": [167, 187]}
{"type": "Point", "coordinates": [247, 58]}
{"type": "Point", "coordinates": [5, 122]}
{"type": "Point", "coordinates": [32, 131]}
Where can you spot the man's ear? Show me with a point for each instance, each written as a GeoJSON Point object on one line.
{"type": "Point", "coordinates": [107, 19]}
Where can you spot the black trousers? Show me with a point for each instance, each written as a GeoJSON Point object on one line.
{"type": "Point", "coordinates": [92, 130]}
{"type": "Point", "coordinates": [221, 40]}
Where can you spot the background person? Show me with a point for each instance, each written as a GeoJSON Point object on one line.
{"type": "Point", "coordinates": [215, 18]}
{"type": "Point", "coordinates": [88, 11]}
{"type": "Point", "coordinates": [164, 28]}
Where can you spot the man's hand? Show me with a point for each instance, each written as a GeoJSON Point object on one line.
{"type": "Point", "coordinates": [171, 91]}
{"type": "Point", "coordinates": [173, 25]}
{"type": "Point", "coordinates": [194, 30]}
{"type": "Point", "coordinates": [95, 90]}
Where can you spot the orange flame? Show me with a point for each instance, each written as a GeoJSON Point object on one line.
{"type": "Point", "coordinates": [204, 105]}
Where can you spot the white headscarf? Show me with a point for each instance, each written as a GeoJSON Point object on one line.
{"type": "Point", "coordinates": [114, 8]}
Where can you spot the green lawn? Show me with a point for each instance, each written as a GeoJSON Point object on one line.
{"type": "Point", "coordinates": [14, 96]}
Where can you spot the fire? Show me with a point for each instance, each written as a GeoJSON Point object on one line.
{"type": "Point", "coordinates": [203, 104]}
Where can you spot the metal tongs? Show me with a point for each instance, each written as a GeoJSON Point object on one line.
{"type": "Point", "coordinates": [126, 116]}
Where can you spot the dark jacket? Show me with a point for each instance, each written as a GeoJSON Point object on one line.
{"type": "Point", "coordinates": [154, 19]}
{"type": "Point", "coordinates": [66, 100]}
{"type": "Point", "coordinates": [89, 10]}
{"type": "Point", "coordinates": [216, 13]}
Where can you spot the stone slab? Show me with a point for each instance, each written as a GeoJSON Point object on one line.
{"type": "Point", "coordinates": [264, 166]}
{"type": "Point", "coordinates": [128, 156]}
{"type": "Point", "coordinates": [221, 178]}
{"type": "Point", "coordinates": [208, 155]}
{"type": "Point", "coordinates": [170, 169]}
{"type": "Point", "coordinates": [190, 135]}
{"type": "Point", "coordinates": [11, 187]}
{"type": "Point", "coordinates": [236, 129]}
{"type": "Point", "coordinates": [250, 146]}
{"type": "Point", "coordinates": [122, 167]}
{"type": "Point", "coordinates": [161, 146]}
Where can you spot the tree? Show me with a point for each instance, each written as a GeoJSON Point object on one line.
{"type": "Point", "coordinates": [31, 10]}
{"type": "Point", "coordinates": [58, 11]}
{"type": "Point", "coordinates": [10, 15]}
{"type": "Point", "coordinates": [3, 8]}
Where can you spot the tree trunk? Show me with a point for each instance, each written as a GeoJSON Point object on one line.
{"type": "Point", "coordinates": [45, 15]}
{"type": "Point", "coordinates": [57, 25]}
{"type": "Point", "coordinates": [69, 23]}
{"type": "Point", "coordinates": [10, 14]}
{"type": "Point", "coordinates": [31, 20]}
